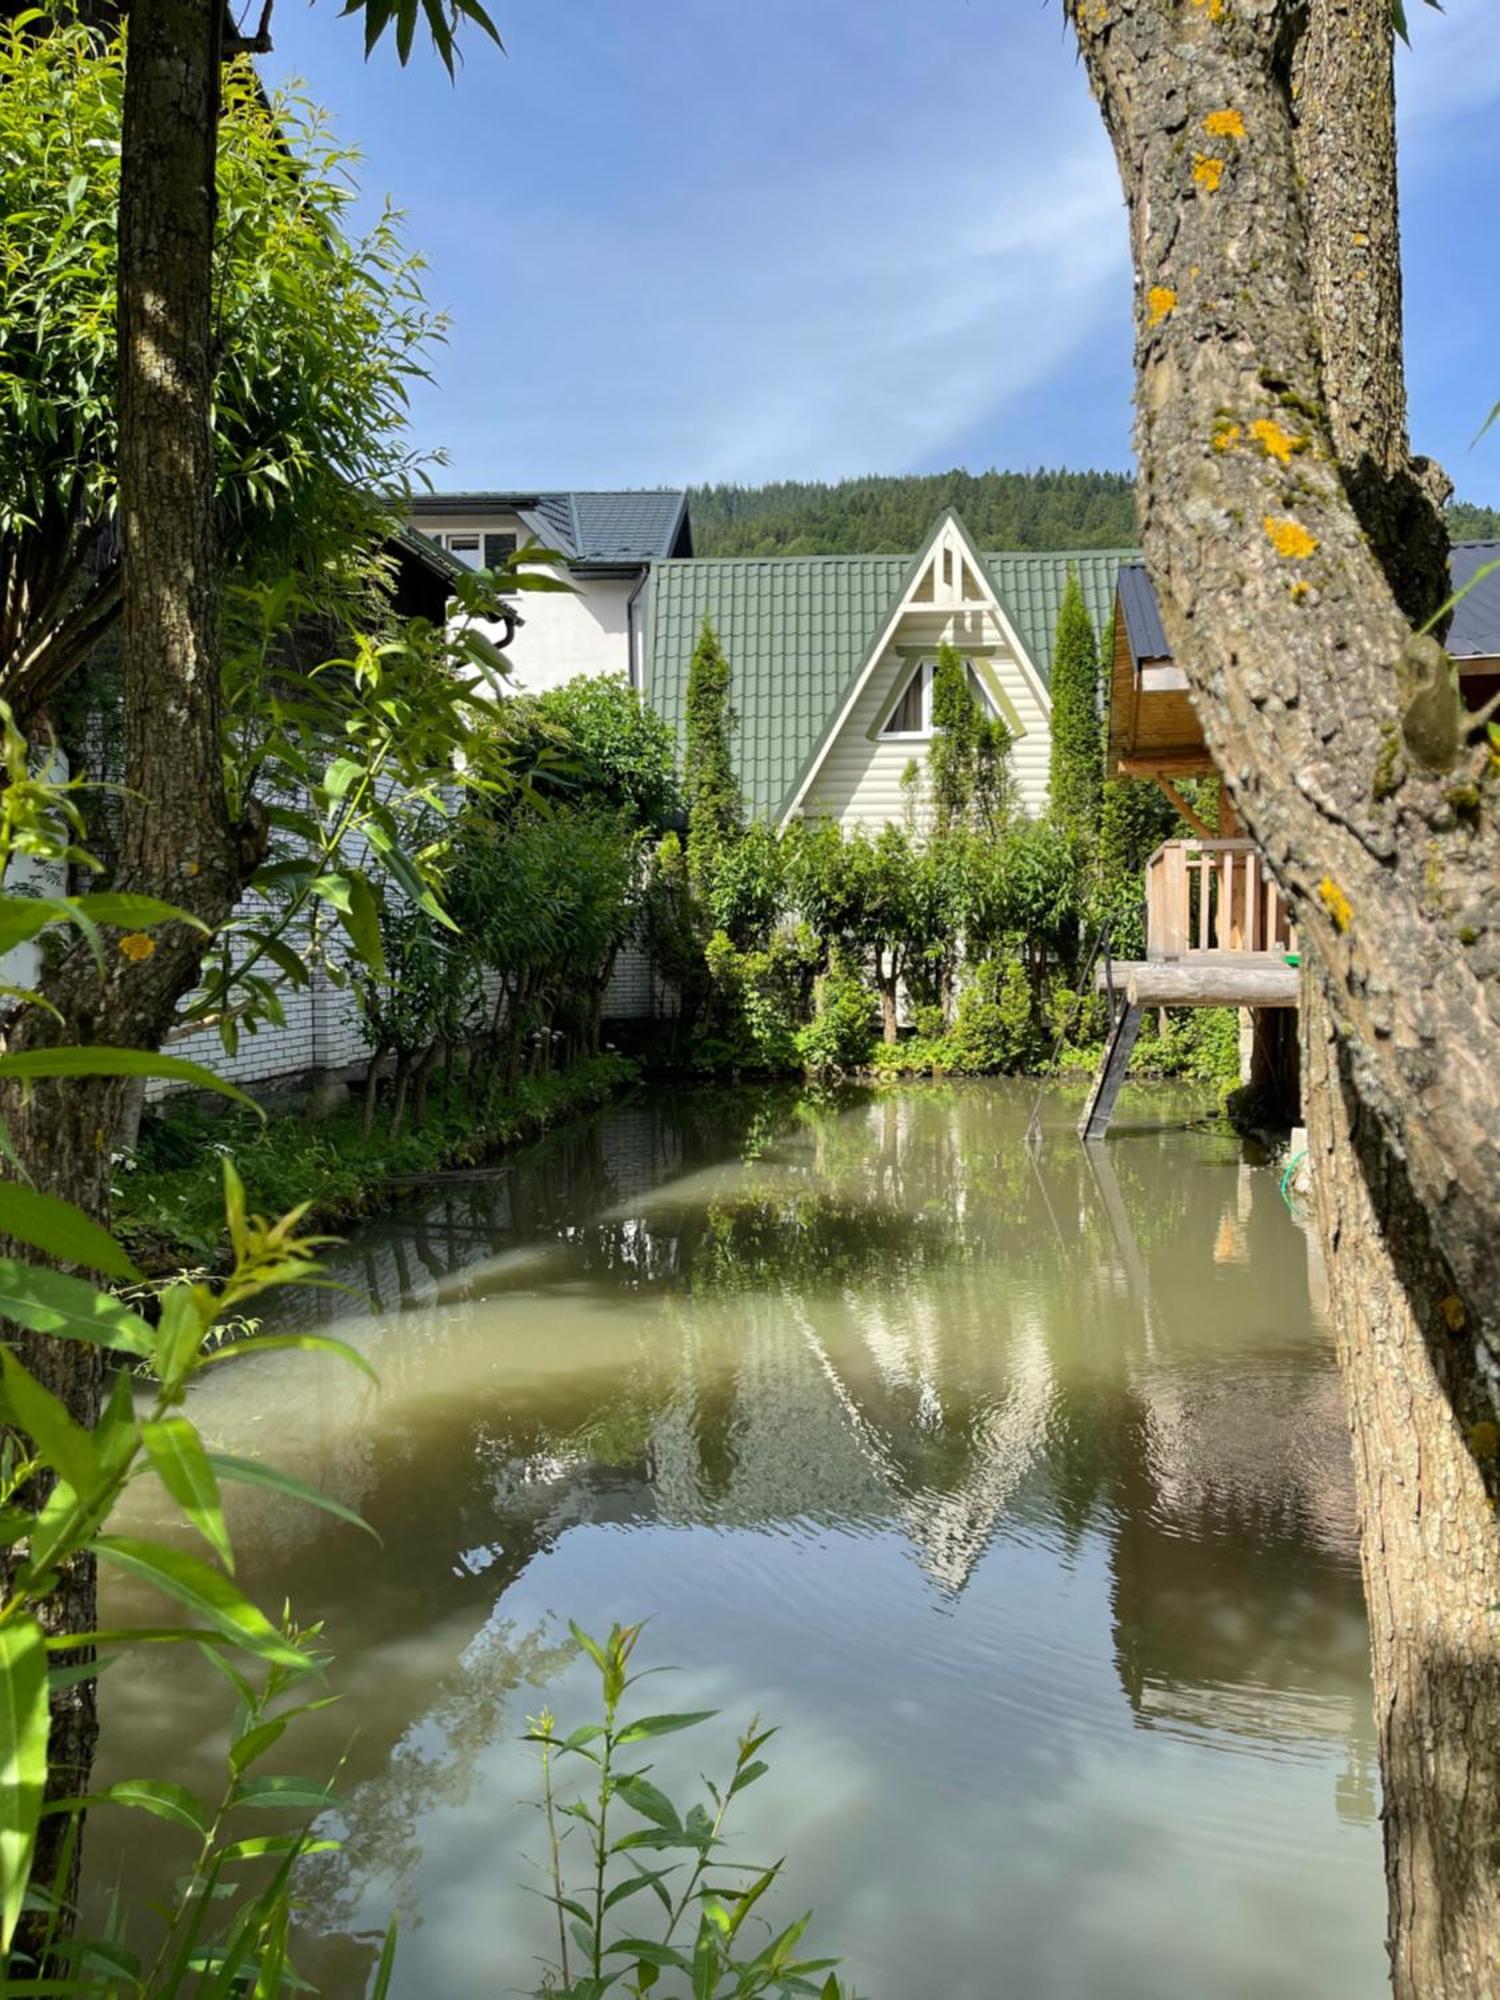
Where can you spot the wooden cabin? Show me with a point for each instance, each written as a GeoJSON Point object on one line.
{"type": "Point", "coordinates": [1217, 931]}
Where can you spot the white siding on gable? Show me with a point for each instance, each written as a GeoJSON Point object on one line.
{"type": "Point", "coordinates": [859, 781]}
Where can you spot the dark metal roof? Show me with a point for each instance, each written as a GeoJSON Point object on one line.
{"type": "Point", "coordinates": [1473, 635]}
{"type": "Point", "coordinates": [612, 530]}
{"type": "Point", "coordinates": [432, 555]}
{"type": "Point", "coordinates": [1142, 619]}
{"type": "Point", "coordinates": [1475, 631]}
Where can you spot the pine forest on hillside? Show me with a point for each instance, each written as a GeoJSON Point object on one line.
{"type": "Point", "coordinates": [891, 514]}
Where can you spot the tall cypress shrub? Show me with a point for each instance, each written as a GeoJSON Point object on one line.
{"type": "Point", "coordinates": [969, 756]}
{"type": "Point", "coordinates": [716, 812]}
{"type": "Point", "coordinates": [1076, 776]}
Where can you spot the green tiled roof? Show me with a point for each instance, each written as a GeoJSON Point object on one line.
{"type": "Point", "coordinates": [797, 629]}
{"type": "Point", "coordinates": [1029, 585]}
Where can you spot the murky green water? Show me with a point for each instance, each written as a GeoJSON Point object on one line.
{"type": "Point", "coordinates": [1016, 1493]}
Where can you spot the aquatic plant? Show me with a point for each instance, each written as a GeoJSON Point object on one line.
{"type": "Point", "coordinates": [710, 1940]}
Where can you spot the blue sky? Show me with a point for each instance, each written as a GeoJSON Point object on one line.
{"type": "Point", "coordinates": [687, 240]}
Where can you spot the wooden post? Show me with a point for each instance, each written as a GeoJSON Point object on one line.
{"type": "Point", "coordinates": [1173, 940]}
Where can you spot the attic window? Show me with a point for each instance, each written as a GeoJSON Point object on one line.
{"type": "Point", "coordinates": [467, 549]}
{"type": "Point", "coordinates": [913, 711]}
{"type": "Point", "coordinates": [478, 551]}
{"type": "Point", "coordinates": [912, 714]}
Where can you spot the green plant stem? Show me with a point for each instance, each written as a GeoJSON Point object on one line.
{"type": "Point", "coordinates": [601, 1839]}
{"type": "Point", "coordinates": [549, 1798]}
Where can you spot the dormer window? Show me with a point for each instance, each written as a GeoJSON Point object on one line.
{"type": "Point", "coordinates": [467, 549]}
{"type": "Point", "coordinates": [478, 551]}
{"type": "Point", "coordinates": [912, 714]}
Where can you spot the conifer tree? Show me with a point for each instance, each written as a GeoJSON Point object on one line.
{"type": "Point", "coordinates": [1076, 778]}
{"type": "Point", "coordinates": [969, 756]}
{"type": "Point", "coordinates": [716, 812]}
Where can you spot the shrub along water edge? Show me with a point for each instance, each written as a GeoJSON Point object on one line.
{"type": "Point", "coordinates": [169, 1214]}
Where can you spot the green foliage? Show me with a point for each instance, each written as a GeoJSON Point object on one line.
{"type": "Point", "coordinates": [892, 515]}
{"type": "Point", "coordinates": [997, 1028]}
{"type": "Point", "coordinates": [672, 925]}
{"type": "Point", "coordinates": [714, 801]}
{"type": "Point", "coordinates": [1076, 781]}
{"type": "Point", "coordinates": [762, 994]}
{"type": "Point", "coordinates": [1135, 818]}
{"type": "Point", "coordinates": [994, 1027]}
{"type": "Point", "coordinates": [707, 1934]}
{"type": "Point", "coordinates": [356, 765]}
{"type": "Point", "coordinates": [441, 16]}
{"type": "Point", "coordinates": [165, 1204]}
{"type": "Point", "coordinates": [593, 740]}
{"type": "Point", "coordinates": [969, 756]}
{"type": "Point", "coordinates": [747, 892]}
{"type": "Point", "coordinates": [59, 1484]}
{"type": "Point", "coordinates": [841, 1034]}
{"type": "Point", "coordinates": [1201, 1044]}
{"type": "Point", "coordinates": [1468, 522]}
{"type": "Point", "coordinates": [318, 335]}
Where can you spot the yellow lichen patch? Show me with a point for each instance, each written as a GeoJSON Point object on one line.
{"type": "Point", "coordinates": [1360, 240]}
{"type": "Point", "coordinates": [1336, 903]}
{"type": "Point", "coordinates": [1299, 590]}
{"type": "Point", "coordinates": [1159, 302]}
{"type": "Point", "coordinates": [1213, 8]}
{"type": "Point", "coordinates": [1453, 1313]}
{"type": "Point", "coordinates": [1274, 441]}
{"type": "Point", "coordinates": [1207, 171]}
{"type": "Point", "coordinates": [137, 946]}
{"type": "Point", "coordinates": [1225, 125]}
{"type": "Point", "coordinates": [1226, 435]}
{"type": "Point", "coordinates": [1289, 538]}
{"type": "Point", "coordinates": [1484, 1440]}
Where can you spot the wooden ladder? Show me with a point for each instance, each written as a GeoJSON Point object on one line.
{"type": "Point", "coordinates": [1099, 1106]}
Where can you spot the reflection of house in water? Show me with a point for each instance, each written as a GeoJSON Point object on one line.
{"type": "Point", "coordinates": [889, 1322]}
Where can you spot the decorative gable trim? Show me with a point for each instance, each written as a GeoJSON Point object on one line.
{"type": "Point", "coordinates": [947, 574]}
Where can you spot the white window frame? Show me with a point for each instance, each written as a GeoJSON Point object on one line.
{"type": "Point", "coordinates": [450, 537]}
{"type": "Point", "coordinates": [927, 668]}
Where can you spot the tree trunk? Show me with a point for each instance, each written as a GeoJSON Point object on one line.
{"type": "Point", "coordinates": [421, 1081]}
{"type": "Point", "coordinates": [1291, 537]}
{"type": "Point", "coordinates": [889, 1028]}
{"type": "Point", "coordinates": [1430, 1554]}
{"type": "Point", "coordinates": [400, 1084]}
{"type": "Point", "coordinates": [372, 1090]}
{"type": "Point", "coordinates": [176, 840]}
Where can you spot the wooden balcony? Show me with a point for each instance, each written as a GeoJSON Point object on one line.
{"type": "Point", "coordinates": [1214, 897]}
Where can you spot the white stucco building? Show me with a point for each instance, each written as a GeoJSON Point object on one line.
{"type": "Point", "coordinates": [605, 544]}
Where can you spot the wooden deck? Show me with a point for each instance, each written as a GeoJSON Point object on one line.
{"type": "Point", "coordinates": [1217, 935]}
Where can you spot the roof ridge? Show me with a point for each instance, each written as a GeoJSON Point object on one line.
{"type": "Point", "coordinates": [1122, 554]}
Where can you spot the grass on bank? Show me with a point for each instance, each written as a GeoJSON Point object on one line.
{"type": "Point", "coordinates": [168, 1194]}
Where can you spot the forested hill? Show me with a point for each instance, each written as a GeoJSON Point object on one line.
{"type": "Point", "coordinates": [892, 516]}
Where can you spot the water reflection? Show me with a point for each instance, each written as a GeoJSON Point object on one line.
{"type": "Point", "coordinates": [1016, 1490]}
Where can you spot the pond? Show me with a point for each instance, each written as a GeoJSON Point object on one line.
{"type": "Point", "coordinates": [1015, 1491]}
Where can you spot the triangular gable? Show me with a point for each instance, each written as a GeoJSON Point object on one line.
{"type": "Point", "coordinates": [947, 571]}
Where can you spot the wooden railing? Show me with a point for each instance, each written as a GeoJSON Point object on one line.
{"type": "Point", "coordinates": [1212, 895]}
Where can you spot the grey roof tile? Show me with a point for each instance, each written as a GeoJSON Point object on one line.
{"type": "Point", "coordinates": [625, 527]}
